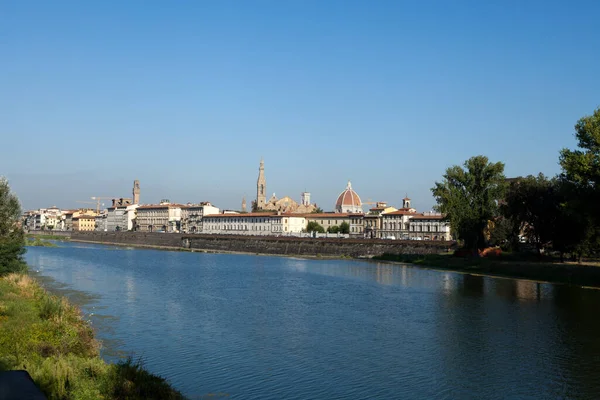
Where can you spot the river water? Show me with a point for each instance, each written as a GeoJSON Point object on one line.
{"type": "Point", "coordinates": [252, 327]}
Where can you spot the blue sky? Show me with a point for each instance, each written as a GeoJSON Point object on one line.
{"type": "Point", "coordinates": [186, 96]}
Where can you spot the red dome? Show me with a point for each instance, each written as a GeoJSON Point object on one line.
{"type": "Point", "coordinates": [348, 199]}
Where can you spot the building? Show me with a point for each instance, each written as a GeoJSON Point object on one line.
{"type": "Point", "coordinates": [371, 225]}
{"type": "Point", "coordinates": [429, 226]}
{"type": "Point", "coordinates": [395, 225]}
{"type": "Point", "coordinates": [284, 205]}
{"type": "Point", "coordinates": [101, 222]}
{"type": "Point", "coordinates": [348, 201]}
{"type": "Point", "coordinates": [261, 187]}
{"type": "Point", "coordinates": [163, 217]}
{"type": "Point", "coordinates": [84, 222]}
{"type": "Point", "coordinates": [136, 192]}
{"type": "Point", "coordinates": [329, 220]}
{"type": "Point", "coordinates": [256, 224]}
{"type": "Point", "coordinates": [121, 217]}
{"type": "Point", "coordinates": [192, 216]}
{"type": "Point", "coordinates": [381, 207]}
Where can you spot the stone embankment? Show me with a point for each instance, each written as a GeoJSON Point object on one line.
{"type": "Point", "coordinates": [290, 246]}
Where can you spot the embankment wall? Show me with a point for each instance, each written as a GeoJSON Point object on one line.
{"type": "Point", "coordinates": [266, 244]}
{"type": "Point", "coordinates": [50, 233]}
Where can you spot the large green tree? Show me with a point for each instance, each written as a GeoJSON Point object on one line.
{"type": "Point", "coordinates": [12, 237]}
{"type": "Point", "coordinates": [532, 204]}
{"type": "Point", "coordinates": [581, 173]}
{"type": "Point", "coordinates": [468, 198]}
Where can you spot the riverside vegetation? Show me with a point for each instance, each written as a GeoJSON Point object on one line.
{"type": "Point", "coordinates": [554, 215]}
{"type": "Point", "coordinates": [46, 336]}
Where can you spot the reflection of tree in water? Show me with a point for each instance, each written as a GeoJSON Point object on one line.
{"type": "Point", "coordinates": [517, 339]}
{"type": "Point", "coordinates": [472, 285]}
{"type": "Point", "coordinates": [578, 332]}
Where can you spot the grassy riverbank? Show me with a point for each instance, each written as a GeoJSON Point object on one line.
{"type": "Point", "coordinates": [48, 236]}
{"type": "Point", "coordinates": [37, 242]}
{"type": "Point", "coordinates": [510, 266]}
{"type": "Point", "coordinates": [47, 336]}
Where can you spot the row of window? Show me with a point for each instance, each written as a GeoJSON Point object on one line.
{"type": "Point", "coordinates": [241, 227]}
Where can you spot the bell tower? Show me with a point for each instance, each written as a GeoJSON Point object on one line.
{"type": "Point", "coordinates": [261, 187]}
{"type": "Point", "coordinates": [136, 192]}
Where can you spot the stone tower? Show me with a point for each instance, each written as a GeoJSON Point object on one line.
{"type": "Point", "coordinates": [406, 202]}
{"type": "Point", "coordinates": [244, 208]}
{"type": "Point", "coordinates": [261, 187]}
{"type": "Point", "coordinates": [305, 198]}
{"type": "Point", "coordinates": [136, 192]}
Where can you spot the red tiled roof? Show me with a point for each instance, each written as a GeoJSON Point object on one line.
{"type": "Point", "coordinates": [327, 215]}
{"type": "Point", "coordinates": [152, 206]}
{"type": "Point", "coordinates": [421, 216]}
{"type": "Point", "coordinates": [242, 215]}
{"type": "Point", "coordinates": [402, 211]}
{"type": "Point", "coordinates": [85, 217]}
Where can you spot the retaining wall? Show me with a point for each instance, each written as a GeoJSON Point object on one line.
{"type": "Point", "coordinates": [267, 244]}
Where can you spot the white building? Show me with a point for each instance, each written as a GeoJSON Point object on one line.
{"type": "Point", "coordinates": [120, 218]}
{"type": "Point", "coordinates": [192, 216]}
{"type": "Point", "coordinates": [429, 226]}
{"type": "Point", "coordinates": [254, 224]}
{"type": "Point", "coordinates": [163, 217]}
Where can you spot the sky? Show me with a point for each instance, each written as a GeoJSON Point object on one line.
{"type": "Point", "coordinates": [187, 96]}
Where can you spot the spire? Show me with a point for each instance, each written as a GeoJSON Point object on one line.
{"type": "Point", "coordinates": [349, 186]}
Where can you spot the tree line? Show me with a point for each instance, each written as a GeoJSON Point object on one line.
{"type": "Point", "coordinates": [560, 213]}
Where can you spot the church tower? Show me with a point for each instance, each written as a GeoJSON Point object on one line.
{"type": "Point", "coordinates": [136, 192]}
{"type": "Point", "coordinates": [261, 187]}
{"type": "Point", "coordinates": [244, 208]}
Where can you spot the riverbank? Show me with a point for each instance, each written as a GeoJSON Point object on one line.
{"type": "Point", "coordinates": [587, 275]}
{"type": "Point", "coordinates": [47, 336]}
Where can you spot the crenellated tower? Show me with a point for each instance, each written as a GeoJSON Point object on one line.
{"type": "Point", "coordinates": [136, 192]}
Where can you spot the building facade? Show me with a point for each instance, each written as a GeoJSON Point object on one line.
{"type": "Point", "coordinates": [163, 217]}
{"type": "Point", "coordinates": [429, 226]}
{"type": "Point", "coordinates": [255, 224]}
{"type": "Point", "coordinates": [84, 222]}
{"type": "Point", "coordinates": [395, 225]}
{"type": "Point", "coordinates": [192, 216]}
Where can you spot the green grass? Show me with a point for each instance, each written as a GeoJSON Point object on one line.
{"type": "Point", "coordinates": [40, 242]}
{"type": "Point", "coordinates": [48, 236]}
{"type": "Point", "coordinates": [47, 336]}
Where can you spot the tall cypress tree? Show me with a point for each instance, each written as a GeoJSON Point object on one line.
{"type": "Point", "coordinates": [12, 237]}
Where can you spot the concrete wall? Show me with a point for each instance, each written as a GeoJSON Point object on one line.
{"type": "Point", "coordinates": [267, 245]}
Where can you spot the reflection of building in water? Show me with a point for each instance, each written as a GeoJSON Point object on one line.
{"type": "Point", "coordinates": [528, 290]}
{"type": "Point", "coordinates": [385, 274]}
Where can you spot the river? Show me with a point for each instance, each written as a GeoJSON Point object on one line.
{"type": "Point", "coordinates": [257, 327]}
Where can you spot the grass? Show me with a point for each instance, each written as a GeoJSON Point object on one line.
{"type": "Point", "coordinates": [48, 236]}
{"type": "Point", "coordinates": [47, 336]}
{"type": "Point", "coordinates": [512, 265]}
{"type": "Point", "coordinates": [40, 242]}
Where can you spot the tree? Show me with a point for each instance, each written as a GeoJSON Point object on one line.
{"type": "Point", "coordinates": [254, 206]}
{"type": "Point", "coordinates": [313, 226]}
{"type": "Point", "coordinates": [581, 173]}
{"type": "Point", "coordinates": [333, 229]}
{"type": "Point", "coordinates": [532, 205]}
{"type": "Point", "coordinates": [318, 210]}
{"type": "Point", "coordinates": [468, 198]}
{"type": "Point", "coordinates": [12, 237]}
{"type": "Point", "coordinates": [344, 227]}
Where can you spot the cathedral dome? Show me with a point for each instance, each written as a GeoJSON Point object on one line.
{"type": "Point", "coordinates": [348, 201]}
